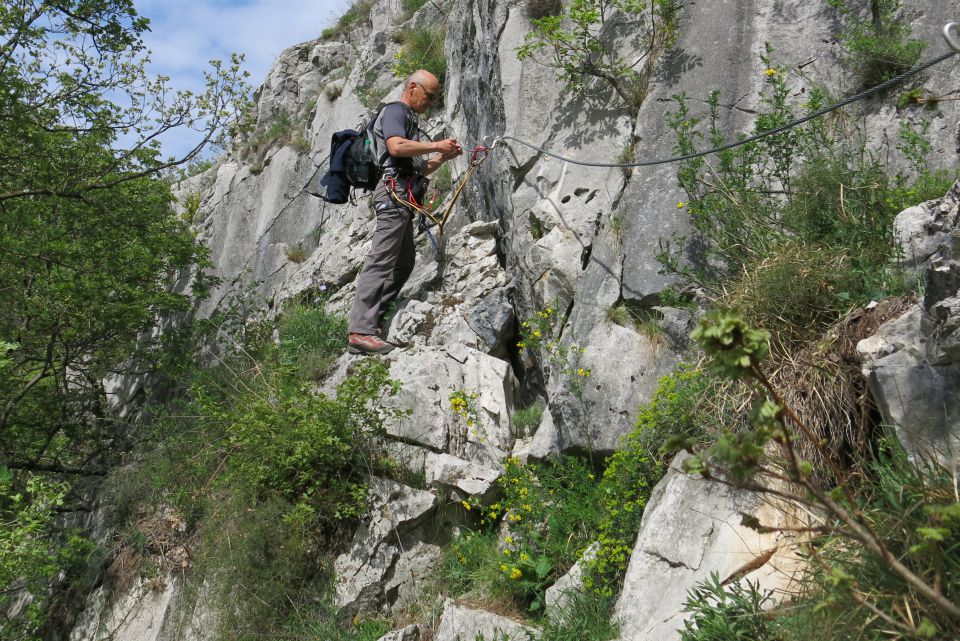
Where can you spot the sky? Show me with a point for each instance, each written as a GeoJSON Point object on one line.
{"type": "Point", "coordinates": [185, 34]}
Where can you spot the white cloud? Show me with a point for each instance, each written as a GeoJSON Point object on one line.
{"type": "Point", "coordinates": [186, 34]}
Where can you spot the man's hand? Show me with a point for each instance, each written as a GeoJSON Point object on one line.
{"type": "Point", "coordinates": [448, 148]}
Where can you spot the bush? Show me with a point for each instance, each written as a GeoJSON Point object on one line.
{"type": "Point", "coordinates": [726, 613]}
{"type": "Point", "coordinates": [422, 48]}
{"type": "Point", "coordinates": [311, 339]}
{"type": "Point", "coordinates": [357, 15]}
{"type": "Point", "coordinates": [267, 475]}
{"type": "Point", "coordinates": [525, 422]}
{"type": "Point", "coordinates": [535, 9]}
{"type": "Point", "coordinates": [674, 411]}
{"type": "Point", "coordinates": [807, 202]}
{"type": "Point", "coordinates": [410, 7]}
{"type": "Point", "coordinates": [886, 558]}
{"type": "Point", "coordinates": [878, 47]}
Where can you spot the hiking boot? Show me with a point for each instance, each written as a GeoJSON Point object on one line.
{"type": "Point", "coordinates": [367, 344]}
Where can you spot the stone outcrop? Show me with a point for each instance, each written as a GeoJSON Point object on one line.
{"type": "Point", "coordinates": [460, 623]}
{"type": "Point", "coordinates": [690, 529]}
{"type": "Point", "coordinates": [388, 554]}
{"type": "Point", "coordinates": [912, 363]}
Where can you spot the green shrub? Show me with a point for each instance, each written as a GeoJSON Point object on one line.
{"type": "Point", "coordinates": [311, 339]}
{"type": "Point", "coordinates": [570, 42]}
{"type": "Point", "coordinates": [525, 421]}
{"type": "Point", "coordinates": [410, 7]}
{"type": "Point", "coordinates": [356, 16]}
{"type": "Point", "coordinates": [809, 202]}
{"type": "Point", "coordinates": [536, 9]}
{"type": "Point", "coordinates": [726, 613]}
{"type": "Point", "coordinates": [879, 46]}
{"type": "Point", "coordinates": [28, 508]}
{"type": "Point", "coordinates": [886, 555]}
{"type": "Point", "coordinates": [422, 48]}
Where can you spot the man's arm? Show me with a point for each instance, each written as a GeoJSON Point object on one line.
{"type": "Point", "coordinates": [400, 147]}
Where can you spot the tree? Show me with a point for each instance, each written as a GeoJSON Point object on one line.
{"type": "Point", "coordinates": [90, 245]}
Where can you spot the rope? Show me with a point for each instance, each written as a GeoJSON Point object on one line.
{"type": "Point", "coordinates": [769, 132]}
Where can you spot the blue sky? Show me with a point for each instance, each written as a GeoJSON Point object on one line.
{"type": "Point", "coordinates": [185, 34]}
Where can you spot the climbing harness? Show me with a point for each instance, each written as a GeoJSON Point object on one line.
{"type": "Point", "coordinates": [951, 32]}
{"type": "Point", "coordinates": [480, 153]}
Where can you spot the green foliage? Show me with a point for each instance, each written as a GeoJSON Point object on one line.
{"type": "Point", "coordinates": [310, 340]}
{"type": "Point", "coordinates": [548, 512]}
{"type": "Point", "coordinates": [675, 412]}
{"type": "Point", "coordinates": [525, 421]}
{"type": "Point", "coordinates": [422, 48]}
{"type": "Point", "coordinates": [726, 613]}
{"type": "Point", "coordinates": [536, 9]}
{"type": "Point", "coordinates": [442, 179]}
{"type": "Point", "coordinates": [368, 91]}
{"type": "Point", "coordinates": [28, 506]}
{"type": "Point", "coordinates": [88, 233]}
{"type": "Point", "coordinates": [550, 509]}
{"type": "Point", "coordinates": [586, 617]}
{"type": "Point", "coordinates": [542, 334]}
{"type": "Point", "coordinates": [283, 129]}
{"type": "Point", "coordinates": [734, 347]}
{"type": "Point", "coordinates": [573, 43]}
{"type": "Point", "coordinates": [268, 475]}
{"type": "Point", "coordinates": [888, 540]}
{"type": "Point", "coordinates": [879, 46]}
{"type": "Point", "coordinates": [810, 202]}
{"type": "Point", "coordinates": [90, 245]}
{"type": "Point", "coordinates": [305, 447]}
{"type": "Point", "coordinates": [410, 7]}
{"type": "Point", "coordinates": [356, 16]}
{"type": "Point", "coordinates": [914, 513]}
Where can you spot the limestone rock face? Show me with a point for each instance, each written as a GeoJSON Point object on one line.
{"type": "Point", "coordinates": [690, 528]}
{"type": "Point", "coordinates": [912, 363]}
{"type": "Point", "coordinates": [532, 231]}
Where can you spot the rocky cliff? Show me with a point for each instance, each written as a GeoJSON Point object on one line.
{"type": "Point", "coordinates": [532, 232]}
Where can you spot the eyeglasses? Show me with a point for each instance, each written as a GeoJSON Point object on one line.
{"type": "Point", "coordinates": [431, 96]}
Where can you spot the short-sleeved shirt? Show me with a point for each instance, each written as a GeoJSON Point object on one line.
{"type": "Point", "coordinates": [396, 119]}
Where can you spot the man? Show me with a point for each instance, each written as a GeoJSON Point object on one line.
{"type": "Point", "coordinates": [392, 254]}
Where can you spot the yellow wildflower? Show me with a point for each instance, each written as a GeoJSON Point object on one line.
{"type": "Point", "coordinates": [524, 556]}
{"type": "Point", "coordinates": [465, 505]}
{"type": "Point", "coordinates": [508, 539]}
{"type": "Point", "coordinates": [515, 574]}
{"type": "Point", "coordinates": [504, 567]}
{"type": "Point", "coordinates": [770, 72]}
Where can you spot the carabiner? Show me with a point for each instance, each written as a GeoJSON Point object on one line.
{"type": "Point", "coordinates": [480, 149]}
{"type": "Point", "coordinates": [951, 33]}
{"type": "Point", "coordinates": [490, 141]}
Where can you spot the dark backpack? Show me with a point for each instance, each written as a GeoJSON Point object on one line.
{"type": "Point", "coordinates": [353, 163]}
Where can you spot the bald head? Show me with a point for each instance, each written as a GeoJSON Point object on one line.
{"type": "Point", "coordinates": [421, 91]}
{"type": "Point", "coordinates": [423, 77]}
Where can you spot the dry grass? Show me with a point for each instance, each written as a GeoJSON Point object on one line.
{"type": "Point", "coordinates": [823, 383]}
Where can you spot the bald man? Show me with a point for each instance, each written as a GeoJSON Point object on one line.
{"type": "Point", "coordinates": [392, 254]}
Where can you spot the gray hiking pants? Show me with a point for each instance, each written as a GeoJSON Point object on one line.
{"type": "Point", "coordinates": [386, 269]}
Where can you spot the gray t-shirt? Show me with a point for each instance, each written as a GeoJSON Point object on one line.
{"type": "Point", "coordinates": [396, 119]}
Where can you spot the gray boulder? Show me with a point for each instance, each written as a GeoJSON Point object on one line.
{"type": "Point", "coordinates": [383, 548]}
{"type": "Point", "coordinates": [460, 623]}
{"type": "Point", "coordinates": [690, 528]}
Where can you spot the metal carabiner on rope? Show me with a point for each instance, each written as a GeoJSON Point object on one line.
{"type": "Point", "coordinates": [951, 33]}
{"type": "Point", "coordinates": [490, 141]}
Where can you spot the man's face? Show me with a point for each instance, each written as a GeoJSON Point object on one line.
{"type": "Point", "coordinates": [423, 95]}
